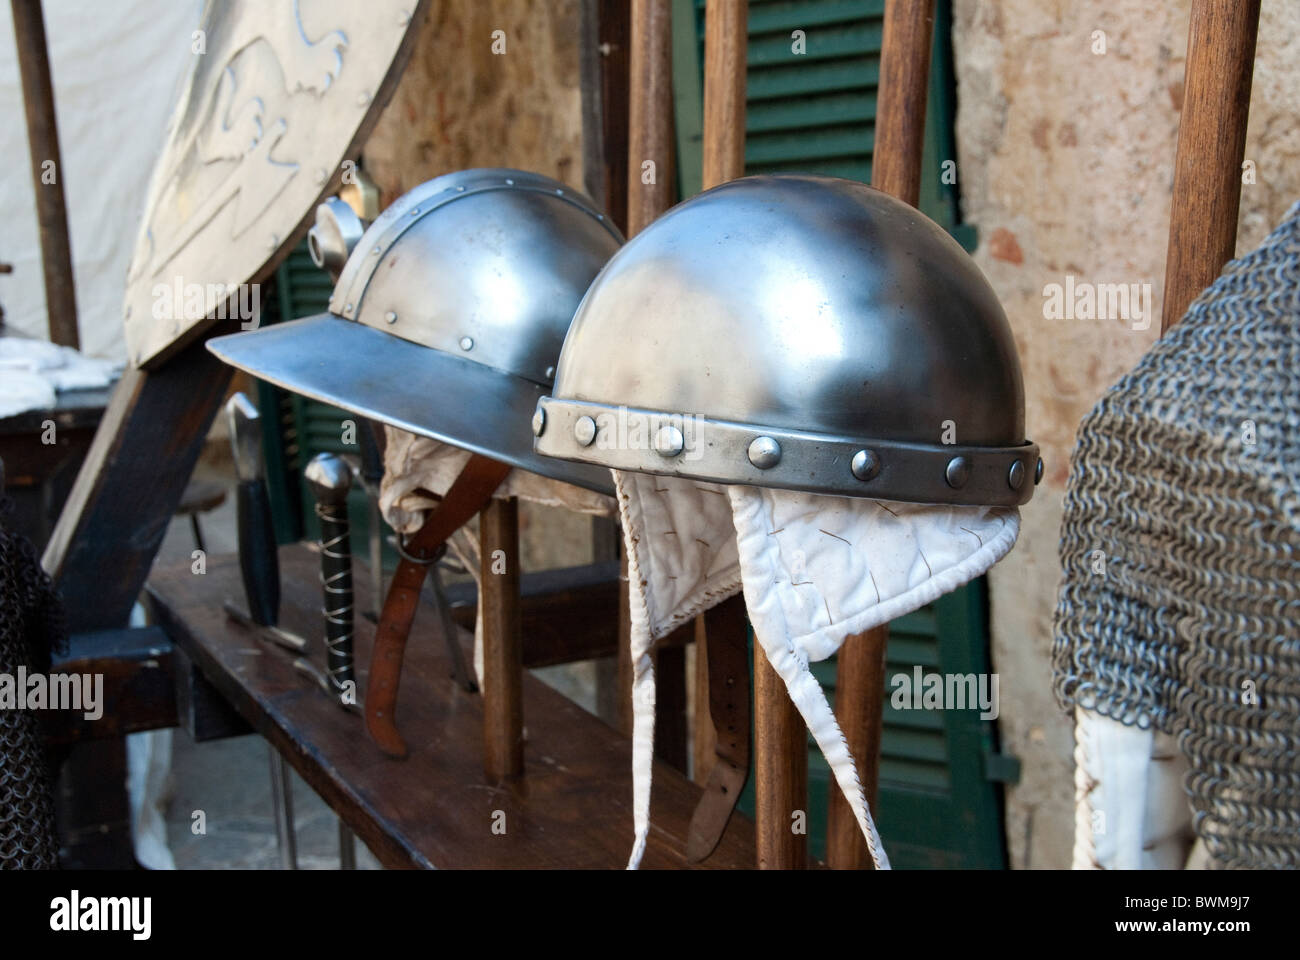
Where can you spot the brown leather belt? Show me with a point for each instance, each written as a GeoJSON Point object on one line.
{"type": "Point", "coordinates": [471, 492]}
{"type": "Point", "coordinates": [726, 644]}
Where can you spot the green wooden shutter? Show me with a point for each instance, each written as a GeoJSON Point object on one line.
{"type": "Point", "coordinates": [815, 112]}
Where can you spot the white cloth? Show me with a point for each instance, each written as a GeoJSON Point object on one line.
{"type": "Point", "coordinates": [815, 570]}
{"type": "Point", "coordinates": [413, 463]}
{"type": "Point", "coordinates": [33, 371]}
{"type": "Point", "coordinates": [1131, 812]}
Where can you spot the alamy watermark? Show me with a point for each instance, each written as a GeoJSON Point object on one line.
{"type": "Point", "coordinates": [192, 302]}
{"type": "Point", "coordinates": [945, 691]}
{"type": "Point", "coordinates": [669, 434]}
{"type": "Point", "coordinates": [55, 691]}
{"type": "Point", "coordinates": [1081, 300]}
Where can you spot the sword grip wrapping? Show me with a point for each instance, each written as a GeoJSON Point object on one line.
{"type": "Point", "coordinates": [258, 562]}
{"type": "Point", "coordinates": [336, 579]}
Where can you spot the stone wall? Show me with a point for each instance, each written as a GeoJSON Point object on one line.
{"type": "Point", "coordinates": [1065, 159]}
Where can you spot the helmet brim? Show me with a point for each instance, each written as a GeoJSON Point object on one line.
{"type": "Point", "coordinates": [405, 385]}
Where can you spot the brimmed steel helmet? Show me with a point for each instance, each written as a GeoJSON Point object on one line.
{"type": "Point", "coordinates": [448, 316]}
{"type": "Point", "coordinates": [800, 332]}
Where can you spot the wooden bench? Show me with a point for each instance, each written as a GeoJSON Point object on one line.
{"type": "Point", "coordinates": [573, 807]}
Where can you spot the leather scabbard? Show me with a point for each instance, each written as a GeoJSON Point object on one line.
{"type": "Point", "coordinates": [470, 493]}
{"type": "Point", "coordinates": [727, 649]}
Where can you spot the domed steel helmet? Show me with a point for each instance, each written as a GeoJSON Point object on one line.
{"type": "Point", "coordinates": [801, 332]}
{"type": "Point", "coordinates": [449, 313]}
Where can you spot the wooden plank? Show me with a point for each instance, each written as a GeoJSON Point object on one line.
{"type": "Point", "coordinates": [131, 482]}
{"type": "Point", "coordinates": [1211, 146]}
{"type": "Point", "coordinates": [47, 171]}
{"type": "Point", "coordinates": [572, 809]}
{"type": "Point", "coordinates": [138, 692]}
{"type": "Point", "coordinates": [503, 670]}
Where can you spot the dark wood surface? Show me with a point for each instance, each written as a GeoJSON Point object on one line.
{"type": "Point", "coordinates": [131, 482]}
{"type": "Point", "coordinates": [571, 809]}
{"type": "Point", "coordinates": [43, 145]}
{"type": "Point", "coordinates": [39, 475]}
{"type": "Point", "coordinates": [138, 690]}
{"type": "Point", "coordinates": [603, 64]}
{"type": "Point", "coordinates": [1211, 145]}
{"type": "Point", "coordinates": [567, 614]}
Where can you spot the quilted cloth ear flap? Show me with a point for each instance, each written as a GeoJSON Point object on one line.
{"type": "Point", "coordinates": [681, 560]}
{"type": "Point", "coordinates": [815, 570]}
{"type": "Point", "coordinates": [818, 569]}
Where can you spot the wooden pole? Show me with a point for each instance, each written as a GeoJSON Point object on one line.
{"type": "Point", "coordinates": [901, 98]}
{"type": "Point", "coordinates": [1211, 146]}
{"type": "Point", "coordinates": [780, 773]}
{"type": "Point", "coordinates": [860, 710]}
{"type": "Point", "coordinates": [503, 668]}
{"type": "Point", "coordinates": [725, 36]}
{"type": "Point", "coordinates": [650, 103]}
{"type": "Point", "coordinates": [47, 171]}
{"type": "Point", "coordinates": [780, 737]}
{"type": "Point", "coordinates": [650, 177]}
{"type": "Point", "coordinates": [895, 169]}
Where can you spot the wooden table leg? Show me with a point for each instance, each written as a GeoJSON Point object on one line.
{"type": "Point", "coordinates": [780, 773]}
{"type": "Point", "coordinates": [503, 670]}
{"type": "Point", "coordinates": [860, 708]}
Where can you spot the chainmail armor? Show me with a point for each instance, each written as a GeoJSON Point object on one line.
{"type": "Point", "coordinates": [31, 626]}
{"type": "Point", "coordinates": [1180, 547]}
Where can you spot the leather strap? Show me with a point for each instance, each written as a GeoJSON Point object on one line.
{"type": "Point", "coordinates": [726, 643]}
{"type": "Point", "coordinates": [470, 493]}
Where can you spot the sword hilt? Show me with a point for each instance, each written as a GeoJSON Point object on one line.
{"type": "Point", "coordinates": [330, 478]}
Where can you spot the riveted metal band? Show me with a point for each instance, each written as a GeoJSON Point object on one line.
{"type": "Point", "coordinates": [718, 451]}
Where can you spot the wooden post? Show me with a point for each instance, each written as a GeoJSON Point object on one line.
{"type": "Point", "coordinates": [650, 104]}
{"type": "Point", "coordinates": [503, 670]}
{"type": "Point", "coordinates": [780, 737]}
{"type": "Point", "coordinates": [780, 772]}
{"type": "Point", "coordinates": [604, 74]}
{"type": "Point", "coordinates": [895, 169]}
{"type": "Point", "coordinates": [47, 171]}
{"type": "Point", "coordinates": [725, 49]}
{"type": "Point", "coordinates": [650, 139]}
{"type": "Point", "coordinates": [1211, 145]}
{"type": "Point", "coordinates": [901, 97]}
{"type": "Point", "coordinates": [860, 710]}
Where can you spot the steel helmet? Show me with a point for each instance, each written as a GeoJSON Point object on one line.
{"type": "Point", "coordinates": [801, 332]}
{"type": "Point", "coordinates": [448, 315]}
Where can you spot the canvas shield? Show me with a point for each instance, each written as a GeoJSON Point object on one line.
{"type": "Point", "coordinates": [278, 102]}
